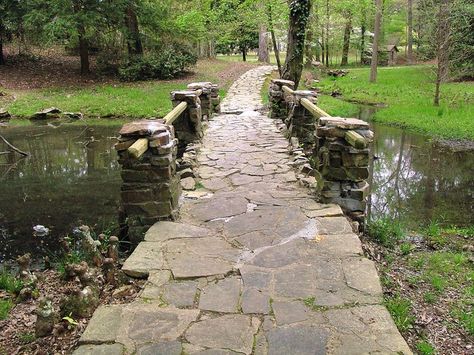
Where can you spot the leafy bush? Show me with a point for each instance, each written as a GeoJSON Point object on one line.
{"type": "Point", "coordinates": [385, 231]}
{"type": "Point", "coordinates": [166, 63]}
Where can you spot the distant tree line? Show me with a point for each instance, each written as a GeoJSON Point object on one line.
{"type": "Point", "coordinates": [139, 38]}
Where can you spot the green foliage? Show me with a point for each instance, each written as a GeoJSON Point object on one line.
{"type": "Point", "coordinates": [10, 283]}
{"type": "Point", "coordinates": [406, 248]}
{"type": "Point", "coordinates": [408, 94]}
{"type": "Point", "coordinates": [425, 348]}
{"type": "Point", "coordinates": [400, 309]}
{"type": "Point", "coordinates": [385, 231]}
{"type": "Point", "coordinates": [429, 297]}
{"type": "Point", "coordinates": [167, 63]}
{"type": "Point", "coordinates": [5, 306]}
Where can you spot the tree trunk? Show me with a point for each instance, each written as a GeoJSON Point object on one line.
{"type": "Point", "coordinates": [375, 46]}
{"type": "Point", "coordinates": [83, 50]}
{"type": "Point", "coordinates": [410, 32]}
{"type": "Point", "coordinates": [322, 45]}
{"type": "Point", "coordinates": [347, 38]}
{"type": "Point", "coordinates": [262, 45]}
{"type": "Point", "coordinates": [134, 42]}
{"type": "Point", "coordinates": [362, 42]}
{"type": "Point", "coordinates": [299, 13]}
{"type": "Point", "coordinates": [327, 33]}
{"type": "Point", "coordinates": [309, 48]}
{"type": "Point", "coordinates": [2, 58]}
{"type": "Point", "coordinates": [244, 54]}
{"type": "Point", "coordinates": [272, 33]}
{"type": "Point", "coordinates": [442, 47]}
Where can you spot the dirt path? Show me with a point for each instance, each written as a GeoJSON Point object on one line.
{"type": "Point", "coordinates": [255, 265]}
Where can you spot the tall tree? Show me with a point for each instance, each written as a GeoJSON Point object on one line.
{"type": "Point", "coordinates": [263, 45]}
{"type": "Point", "coordinates": [410, 31]}
{"type": "Point", "coordinates": [346, 40]}
{"type": "Point", "coordinates": [134, 42]}
{"type": "Point", "coordinates": [442, 47]}
{"type": "Point", "coordinates": [299, 14]}
{"type": "Point", "coordinates": [375, 46]}
{"type": "Point", "coordinates": [272, 33]}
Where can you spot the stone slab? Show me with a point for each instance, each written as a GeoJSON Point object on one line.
{"type": "Point", "coordinates": [146, 257]}
{"type": "Point", "coordinates": [300, 340]}
{"type": "Point", "coordinates": [103, 349]}
{"type": "Point", "coordinates": [222, 296]}
{"type": "Point", "coordinates": [164, 230]}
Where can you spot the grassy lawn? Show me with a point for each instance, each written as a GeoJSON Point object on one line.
{"type": "Point", "coordinates": [131, 100]}
{"type": "Point", "coordinates": [408, 94]}
{"type": "Point", "coordinates": [428, 281]}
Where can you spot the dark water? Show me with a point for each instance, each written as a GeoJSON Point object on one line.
{"type": "Point", "coordinates": [416, 180]}
{"type": "Point", "coordinates": [65, 182]}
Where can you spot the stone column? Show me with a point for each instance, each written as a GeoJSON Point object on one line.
{"type": "Point", "coordinates": [342, 158]}
{"type": "Point", "coordinates": [276, 96]}
{"type": "Point", "coordinates": [188, 127]}
{"type": "Point", "coordinates": [215, 99]}
{"type": "Point", "coordinates": [205, 97]}
{"type": "Point", "coordinates": [300, 122]}
{"type": "Point", "coordinates": [150, 189]}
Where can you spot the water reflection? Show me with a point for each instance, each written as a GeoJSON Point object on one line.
{"type": "Point", "coordinates": [71, 176]}
{"type": "Point", "coordinates": [416, 180]}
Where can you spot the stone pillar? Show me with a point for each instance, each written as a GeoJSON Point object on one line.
{"type": "Point", "coordinates": [300, 122]}
{"type": "Point", "coordinates": [215, 99]}
{"type": "Point", "coordinates": [188, 127]}
{"type": "Point", "coordinates": [276, 96]}
{"type": "Point", "coordinates": [150, 189]}
{"type": "Point", "coordinates": [205, 97]}
{"type": "Point", "coordinates": [342, 157]}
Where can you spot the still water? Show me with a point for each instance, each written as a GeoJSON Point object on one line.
{"type": "Point", "coordinates": [72, 177]}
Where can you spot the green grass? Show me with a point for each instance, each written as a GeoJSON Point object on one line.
{"type": "Point", "coordinates": [336, 107]}
{"type": "Point", "coordinates": [5, 306]}
{"type": "Point", "coordinates": [385, 231]}
{"type": "Point", "coordinates": [126, 100]}
{"type": "Point", "coordinates": [10, 283]}
{"type": "Point", "coordinates": [408, 93]}
{"type": "Point", "coordinates": [425, 348]}
{"type": "Point", "coordinates": [400, 309]}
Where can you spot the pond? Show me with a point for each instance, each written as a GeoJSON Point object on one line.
{"type": "Point", "coordinates": [72, 177]}
{"type": "Point", "coordinates": [417, 180]}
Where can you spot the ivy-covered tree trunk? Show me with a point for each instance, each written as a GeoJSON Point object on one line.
{"type": "Point", "coordinates": [326, 41]}
{"type": "Point", "coordinates": [134, 42]}
{"type": "Point", "coordinates": [299, 13]}
{"type": "Point", "coordinates": [346, 41]}
{"type": "Point", "coordinates": [362, 42]}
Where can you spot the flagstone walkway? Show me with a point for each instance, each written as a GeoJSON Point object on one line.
{"type": "Point", "coordinates": [254, 266]}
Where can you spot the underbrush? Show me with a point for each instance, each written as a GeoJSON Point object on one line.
{"type": "Point", "coordinates": [428, 281]}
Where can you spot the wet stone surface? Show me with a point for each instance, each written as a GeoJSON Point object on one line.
{"type": "Point", "coordinates": [255, 265]}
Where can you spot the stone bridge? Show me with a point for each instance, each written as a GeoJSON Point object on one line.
{"type": "Point", "coordinates": [248, 262]}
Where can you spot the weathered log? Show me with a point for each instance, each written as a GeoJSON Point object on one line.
{"type": "Point", "coordinates": [355, 139]}
{"type": "Point", "coordinates": [315, 110]}
{"type": "Point", "coordinates": [12, 147]}
{"type": "Point", "coordinates": [175, 113]}
{"type": "Point", "coordinates": [137, 149]}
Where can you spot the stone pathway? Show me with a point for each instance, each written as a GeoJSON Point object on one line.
{"type": "Point", "coordinates": [254, 266]}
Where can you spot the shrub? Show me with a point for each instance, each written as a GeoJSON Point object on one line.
{"type": "Point", "coordinates": [10, 283]}
{"type": "Point", "coordinates": [168, 62]}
